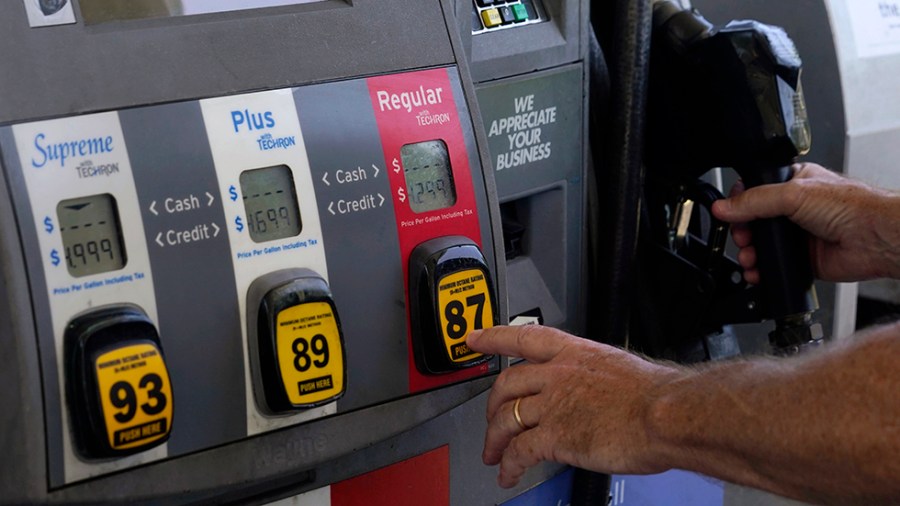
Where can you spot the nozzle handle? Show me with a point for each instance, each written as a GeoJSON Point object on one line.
{"type": "Point", "coordinates": [782, 256]}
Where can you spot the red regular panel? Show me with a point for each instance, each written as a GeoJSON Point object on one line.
{"type": "Point", "coordinates": [417, 107]}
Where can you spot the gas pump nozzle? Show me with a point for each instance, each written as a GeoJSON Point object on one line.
{"type": "Point", "coordinates": [731, 96]}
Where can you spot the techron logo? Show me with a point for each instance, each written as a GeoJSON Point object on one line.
{"type": "Point", "coordinates": [49, 151]}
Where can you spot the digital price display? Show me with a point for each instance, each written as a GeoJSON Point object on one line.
{"type": "Point", "coordinates": [270, 202]}
{"type": "Point", "coordinates": [91, 235]}
{"type": "Point", "coordinates": [429, 177]}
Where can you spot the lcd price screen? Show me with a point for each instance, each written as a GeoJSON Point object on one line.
{"type": "Point", "coordinates": [270, 202]}
{"type": "Point", "coordinates": [429, 177]}
{"type": "Point", "coordinates": [91, 235]}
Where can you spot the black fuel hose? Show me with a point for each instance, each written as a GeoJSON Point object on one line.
{"type": "Point", "coordinates": [617, 140]}
{"type": "Point", "coordinates": [624, 29]}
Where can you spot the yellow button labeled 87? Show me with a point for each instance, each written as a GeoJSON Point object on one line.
{"type": "Point", "coordinates": [135, 395]}
{"type": "Point", "coordinates": [451, 294]}
{"type": "Point", "coordinates": [310, 353]}
{"type": "Point", "coordinates": [464, 303]}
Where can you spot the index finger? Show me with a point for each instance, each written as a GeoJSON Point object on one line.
{"type": "Point", "coordinates": [534, 343]}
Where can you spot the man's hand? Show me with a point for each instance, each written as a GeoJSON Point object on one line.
{"type": "Point", "coordinates": [582, 403]}
{"type": "Point", "coordinates": [820, 428]}
{"type": "Point", "coordinates": [855, 228]}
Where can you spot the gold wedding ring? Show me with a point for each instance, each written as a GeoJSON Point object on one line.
{"type": "Point", "coordinates": [518, 416]}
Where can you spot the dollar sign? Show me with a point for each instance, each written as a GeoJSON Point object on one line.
{"type": "Point", "coordinates": [48, 224]}
{"type": "Point", "coordinates": [402, 194]}
{"type": "Point", "coordinates": [54, 256]}
{"type": "Point", "coordinates": [396, 164]}
{"type": "Point", "coordinates": [240, 224]}
{"type": "Point", "coordinates": [234, 196]}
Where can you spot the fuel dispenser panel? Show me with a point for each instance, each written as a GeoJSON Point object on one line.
{"type": "Point", "coordinates": [535, 127]}
{"type": "Point", "coordinates": [226, 267]}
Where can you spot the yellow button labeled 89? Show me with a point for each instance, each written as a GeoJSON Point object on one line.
{"type": "Point", "coordinates": [135, 395]}
{"type": "Point", "coordinates": [310, 353]}
{"type": "Point", "coordinates": [464, 303]}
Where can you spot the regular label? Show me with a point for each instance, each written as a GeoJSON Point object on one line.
{"type": "Point", "coordinates": [136, 396]}
{"type": "Point", "coordinates": [465, 305]}
{"type": "Point", "coordinates": [310, 353]}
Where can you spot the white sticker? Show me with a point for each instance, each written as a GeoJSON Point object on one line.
{"type": "Point", "coordinates": [520, 321]}
{"type": "Point", "coordinates": [49, 12]}
{"type": "Point", "coordinates": [876, 26]}
{"type": "Point", "coordinates": [257, 131]}
{"type": "Point", "coordinates": [72, 158]}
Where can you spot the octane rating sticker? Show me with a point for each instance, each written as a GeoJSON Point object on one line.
{"type": "Point", "coordinates": [310, 353]}
{"type": "Point", "coordinates": [465, 305]}
{"type": "Point", "coordinates": [135, 395]}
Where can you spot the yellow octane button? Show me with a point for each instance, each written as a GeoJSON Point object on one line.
{"type": "Point", "coordinates": [465, 305]}
{"type": "Point", "coordinates": [491, 18]}
{"type": "Point", "coordinates": [135, 394]}
{"type": "Point", "coordinates": [310, 353]}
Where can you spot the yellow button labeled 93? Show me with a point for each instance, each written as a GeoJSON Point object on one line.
{"type": "Point", "coordinates": [135, 395]}
{"type": "Point", "coordinates": [310, 353]}
{"type": "Point", "coordinates": [465, 305]}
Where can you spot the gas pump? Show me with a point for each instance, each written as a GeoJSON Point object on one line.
{"type": "Point", "coordinates": [243, 242]}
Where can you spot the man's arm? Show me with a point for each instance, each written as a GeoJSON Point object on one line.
{"type": "Point", "coordinates": [821, 428]}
